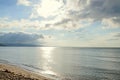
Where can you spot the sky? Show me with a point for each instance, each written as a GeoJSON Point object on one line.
{"type": "Point", "coordinates": [74, 23]}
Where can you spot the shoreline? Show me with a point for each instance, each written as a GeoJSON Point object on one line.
{"type": "Point", "coordinates": [12, 72]}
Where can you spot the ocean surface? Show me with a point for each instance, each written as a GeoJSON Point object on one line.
{"type": "Point", "coordinates": [66, 63]}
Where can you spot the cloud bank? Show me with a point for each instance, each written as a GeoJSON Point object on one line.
{"type": "Point", "coordinates": [21, 38]}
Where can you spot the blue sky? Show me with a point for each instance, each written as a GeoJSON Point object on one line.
{"type": "Point", "coordinates": [76, 23]}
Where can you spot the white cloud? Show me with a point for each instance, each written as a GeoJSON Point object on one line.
{"type": "Point", "coordinates": [110, 23]}
{"type": "Point", "coordinates": [24, 2]}
{"type": "Point", "coordinates": [23, 23]}
{"type": "Point", "coordinates": [42, 25]}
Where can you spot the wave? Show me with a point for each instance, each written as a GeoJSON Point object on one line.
{"type": "Point", "coordinates": [4, 61]}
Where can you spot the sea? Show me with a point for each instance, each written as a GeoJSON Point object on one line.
{"type": "Point", "coordinates": [66, 63]}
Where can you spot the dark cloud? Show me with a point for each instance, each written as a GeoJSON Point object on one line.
{"type": "Point", "coordinates": [64, 1]}
{"type": "Point", "coordinates": [102, 8]}
{"type": "Point", "coordinates": [62, 22]}
{"type": "Point", "coordinates": [19, 37]}
{"type": "Point", "coordinates": [106, 11]}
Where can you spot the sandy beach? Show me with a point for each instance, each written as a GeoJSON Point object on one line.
{"type": "Point", "coordinates": [11, 72]}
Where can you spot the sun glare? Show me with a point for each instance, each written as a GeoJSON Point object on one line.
{"type": "Point", "coordinates": [48, 7]}
{"type": "Point", "coordinates": [47, 50]}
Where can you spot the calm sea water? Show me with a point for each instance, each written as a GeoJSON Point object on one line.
{"type": "Point", "coordinates": [66, 63]}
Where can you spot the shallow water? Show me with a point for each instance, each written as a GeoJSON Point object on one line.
{"type": "Point", "coordinates": [66, 63]}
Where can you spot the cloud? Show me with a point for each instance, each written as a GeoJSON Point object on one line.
{"type": "Point", "coordinates": [99, 9]}
{"type": "Point", "coordinates": [117, 35]}
{"type": "Point", "coordinates": [114, 37]}
{"type": "Point", "coordinates": [105, 11]}
{"type": "Point", "coordinates": [68, 14]}
{"type": "Point", "coordinates": [18, 38]}
{"type": "Point", "coordinates": [111, 23]}
{"type": "Point", "coordinates": [24, 2]}
{"type": "Point", "coordinates": [106, 40]}
{"type": "Point", "coordinates": [21, 37]}
{"type": "Point", "coordinates": [23, 23]}
{"type": "Point", "coordinates": [40, 25]}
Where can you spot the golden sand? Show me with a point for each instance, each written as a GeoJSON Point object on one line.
{"type": "Point", "coordinates": [11, 72]}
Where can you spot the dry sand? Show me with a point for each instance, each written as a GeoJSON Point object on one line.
{"type": "Point", "coordinates": [10, 72]}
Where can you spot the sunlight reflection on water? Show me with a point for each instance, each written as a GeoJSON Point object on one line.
{"type": "Point", "coordinates": [47, 55]}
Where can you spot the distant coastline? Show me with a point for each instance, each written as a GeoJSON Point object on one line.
{"type": "Point", "coordinates": [19, 45]}
{"type": "Point", "coordinates": [33, 45]}
{"type": "Point", "coordinates": [2, 45]}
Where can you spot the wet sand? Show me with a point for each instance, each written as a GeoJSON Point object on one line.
{"type": "Point", "coordinates": [11, 72]}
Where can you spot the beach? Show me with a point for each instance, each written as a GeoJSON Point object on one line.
{"type": "Point", "coordinates": [12, 72]}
